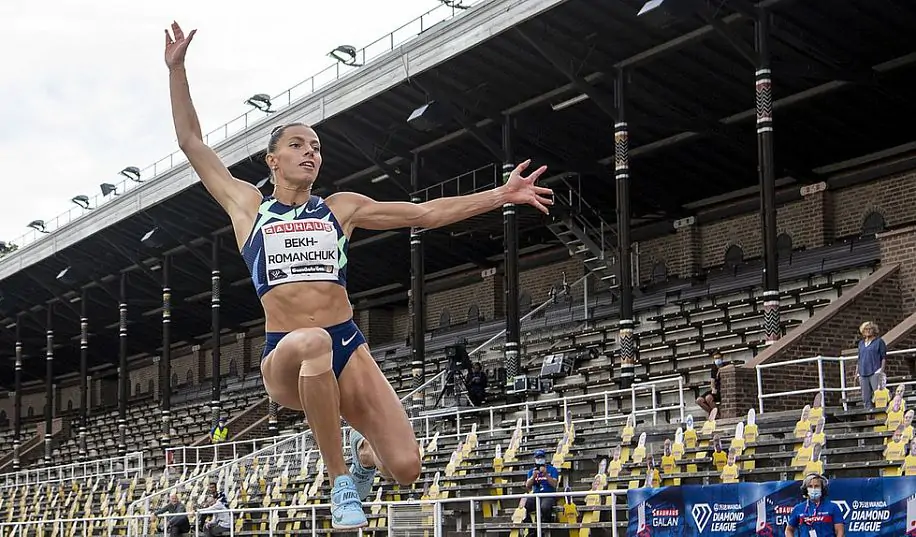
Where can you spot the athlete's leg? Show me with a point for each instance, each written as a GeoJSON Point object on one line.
{"type": "Point", "coordinates": [302, 365]}
{"type": "Point", "coordinates": [368, 459]}
{"type": "Point", "coordinates": [302, 360]}
{"type": "Point", "coordinates": [371, 406]}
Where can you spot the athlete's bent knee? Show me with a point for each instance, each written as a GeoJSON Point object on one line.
{"type": "Point", "coordinates": [312, 348]}
{"type": "Point", "coordinates": [405, 468]}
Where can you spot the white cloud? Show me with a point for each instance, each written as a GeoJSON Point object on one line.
{"type": "Point", "coordinates": [84, 91]}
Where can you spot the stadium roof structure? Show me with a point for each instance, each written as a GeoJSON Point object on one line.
{"type": "Point", "coordinates": [842, 74]}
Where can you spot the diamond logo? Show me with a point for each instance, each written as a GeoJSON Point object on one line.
{"type": "Point", "coordinates": [844, 507]}
{"type": "Point", "coordinates": [701, 514]}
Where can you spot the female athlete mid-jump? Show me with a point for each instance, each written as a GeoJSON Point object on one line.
{"type": "Point", "coordinates": [295, 244]}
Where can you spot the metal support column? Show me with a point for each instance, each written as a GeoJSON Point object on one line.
{"type": "Point", "coordinates": [767, 172]}
{"type": "Point", "coordinates": [215, 330]}
{"type": "Point", "coordinates": [49, 383]}
{"type": "Point", "coordinates": [624, 263]}
{"type": "Point", "coordinates": [417, 300]}
{"type": "Point", "coordinates": [84, 374]}
{"type": "Point", "coordinates": [17, 397]}
{"type": "Point", "coordinates": [510, 254]}
{"type": "Point", "coordinates": [272, 428]}
{"type": "Point", "coordinates": [165, 362]}
{"type": "Point", "coordinates": [123, 373]}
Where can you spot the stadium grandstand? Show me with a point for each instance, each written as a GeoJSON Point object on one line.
{"type": "Point", "coordinates": [728, 180]}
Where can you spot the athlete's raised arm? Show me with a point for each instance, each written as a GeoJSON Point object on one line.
{"type": "Point", "coordinates": [228, 191]}
{"type": "Point", "coordinates": [358, 211]}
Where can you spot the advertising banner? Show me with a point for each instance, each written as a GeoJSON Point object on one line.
{"type": "Point", "coordinates": [876, 507]}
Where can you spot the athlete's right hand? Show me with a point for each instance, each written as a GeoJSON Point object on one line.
{"type": "Point", "coordinates": [175, 49]}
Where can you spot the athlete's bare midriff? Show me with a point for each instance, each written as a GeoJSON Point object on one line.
{"type": "Point", "coordinates": [291, 306]}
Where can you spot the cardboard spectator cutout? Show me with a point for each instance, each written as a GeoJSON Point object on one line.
{"type": "Point", "coordinates": [750, 430]}
{"type": "Point", "coordinates": [690, 435]}
{"type": "Point", "coordinates": [677, 448]}
{"type": "Point", "coordinates": [803, 425]}
{"type": "Point", "coordinates": [730, 471]}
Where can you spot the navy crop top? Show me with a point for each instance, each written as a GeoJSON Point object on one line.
{"type": "Point", "coordinates": [295, 244]}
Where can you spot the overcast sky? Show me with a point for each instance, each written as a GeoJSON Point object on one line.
{"type": "Point", "coordinates": [84, 88]}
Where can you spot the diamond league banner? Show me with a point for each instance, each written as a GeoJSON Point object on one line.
{"type": "Point", "coordinates": [877, 507]}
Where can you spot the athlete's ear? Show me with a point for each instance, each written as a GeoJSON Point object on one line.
{"type": "Point", "coordinates": [271, 160]}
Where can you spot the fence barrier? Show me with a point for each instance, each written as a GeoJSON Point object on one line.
{"type": "Point", "coordinates": [185, 456]}
{"type": "Point", "coordinates": [825, 385]}
{"type": "Point", "coordinates": [127, 466]}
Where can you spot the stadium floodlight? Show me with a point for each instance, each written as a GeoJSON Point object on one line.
{"type": "Point", "coordinates": [661, 13]}
{"type": "Point", "coordinates": [152, 239]}
{"type": "Point", "coordinates": [82, 200]}
{"type": "Point", "coordinates": [38, 225]}
{"type": "Point", "coordinates": [108, 188]}
{"type": "Point", "coordinates": [66, 276]}
{"type": "Point", "coordinates": [345, 54]}
{"type": "Point", "coordinates": [261, 101]}
{"type": "Point", "coordinates": [132, 173]}
{"type": "Point", "coordinates": [430, 116]}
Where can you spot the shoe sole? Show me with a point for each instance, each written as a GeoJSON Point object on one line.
{"type": "Point", "coordinates": [349, 527]}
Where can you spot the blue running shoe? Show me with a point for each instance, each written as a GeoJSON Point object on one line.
{"type": "Point", "coordinates": [363, 477]}
{"type": "Point", "coordinates": [346, 508]}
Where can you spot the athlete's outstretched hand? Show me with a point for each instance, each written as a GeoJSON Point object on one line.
{"type": "Point", "coordinates": [522, 190]}
{"type": "Point", "coordinates": [176, 48]}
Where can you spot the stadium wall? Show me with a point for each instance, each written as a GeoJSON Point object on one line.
{"type": "Point", "coordinates": [814, 220]}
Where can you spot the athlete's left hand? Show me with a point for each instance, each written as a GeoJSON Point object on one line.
{"type": "Point", "coordinates": [522, 190]}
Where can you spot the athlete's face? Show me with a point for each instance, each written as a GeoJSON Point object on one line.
{"type": "Point", "coordinates": [297, 158]}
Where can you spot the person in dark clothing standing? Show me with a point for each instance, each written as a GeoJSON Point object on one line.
{"type": "Point", "coordinates": [178, 524]}
{"type": "Point", "coordinates": [871, 362]}
{"type": "Point", "coordinates": [477, 385]}
{"type": "Point", "coordinates": [711, 398]}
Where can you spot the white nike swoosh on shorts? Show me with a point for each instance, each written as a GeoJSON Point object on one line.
{"type": "Point", "coordinates": [345, 342]}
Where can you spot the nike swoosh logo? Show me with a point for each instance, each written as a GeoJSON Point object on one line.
{"type": "Point", "coordinates": [345, 342]}
{"type": "Point", "coordinates": [315, 210]}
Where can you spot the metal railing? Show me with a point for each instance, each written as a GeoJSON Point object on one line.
{"type": "Point", "coordinates": [330, 74]}
{"type": "Point", "coordinates": [180, 456]}
{"type": "Point", "coordinates": [494, 415]}
{"type": "Point", "coordinates": [437, 516]}
{"type": "Point", "coordinates": [482, 178]}
{"type": "Point", "coordinates": [492, 418]}
{"type": "Point", "coordinates": [824, 384]}
{"type": "Point", "coordinates": [300, 444]}
{"type": "Point", "coordinates": [128, 465]}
